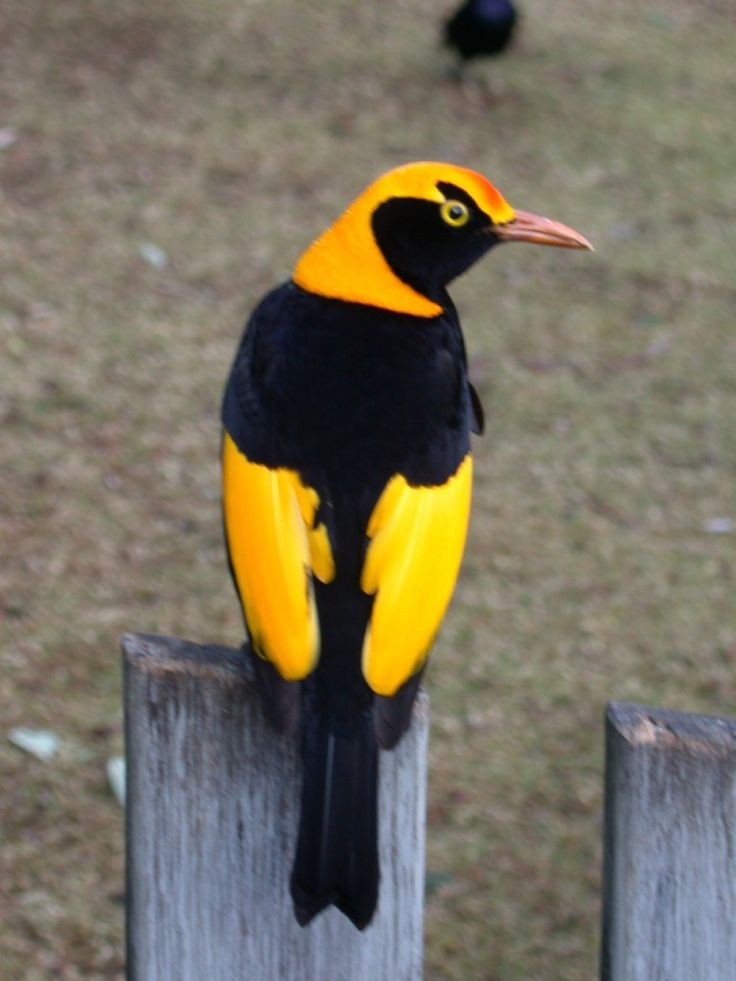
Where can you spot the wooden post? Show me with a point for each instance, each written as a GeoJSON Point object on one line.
{"type": "Point", "coordinates": [212, 805]}
{"type": "Point", "coordinates": [669, 903]}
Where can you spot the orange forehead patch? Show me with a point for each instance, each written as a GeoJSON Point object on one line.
{"type": "Point", "coordinates": [485, 195]}
{"type": "Point", "coordinates": [421, 180]}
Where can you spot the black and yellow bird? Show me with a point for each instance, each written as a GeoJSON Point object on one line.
{"type": "Point", "coordinates": [346, 491]}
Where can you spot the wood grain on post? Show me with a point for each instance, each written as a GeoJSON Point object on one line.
{"type": "Point", "coordinates": [212, 809]}
{"type": "Point", "coordinates": [669, 903]}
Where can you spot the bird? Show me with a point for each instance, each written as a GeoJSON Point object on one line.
{"type": "Point", "coordinates": [346, 487]}
{"type": "Point", "coordinates": [481, 28]}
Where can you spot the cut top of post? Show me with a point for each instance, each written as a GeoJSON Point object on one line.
{"type": "Point", "coordinates": [213, 803]}
{"type": "Point", "coordinates": [642, 726]}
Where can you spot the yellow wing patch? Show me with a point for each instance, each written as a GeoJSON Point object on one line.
{"type": "Point", "coordinates": [275, 551]}
{"type": "Point", "coordinates": [417, 540]}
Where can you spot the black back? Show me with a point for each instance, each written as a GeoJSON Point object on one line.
{"type": "Point", "coordinates": [348, 395]}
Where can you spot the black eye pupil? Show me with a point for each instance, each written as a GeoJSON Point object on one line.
{"type": "Point", "coordinates": [456, 211]}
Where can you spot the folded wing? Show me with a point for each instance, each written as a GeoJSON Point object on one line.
{"type": "Point", "coordinates": [275, 549]}
{"type": "Point", "coordinates": [417, 536]}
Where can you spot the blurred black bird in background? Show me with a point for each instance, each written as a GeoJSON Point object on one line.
{"type": "Point", "coordinates": [480, 28]}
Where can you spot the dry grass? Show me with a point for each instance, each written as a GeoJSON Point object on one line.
{"type": "Point", "coordinates": [228, 134]}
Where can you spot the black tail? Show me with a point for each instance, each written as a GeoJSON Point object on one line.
{"type": "Point", "coordinates": [337, 849]}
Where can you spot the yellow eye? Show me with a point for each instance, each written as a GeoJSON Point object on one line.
{"type": "Point", "coordinates": [455, 213]}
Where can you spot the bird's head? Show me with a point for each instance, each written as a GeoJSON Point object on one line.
{"type": "Point", "coordinates": [411, 232]}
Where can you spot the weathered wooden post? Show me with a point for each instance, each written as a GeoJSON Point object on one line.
{"type": "Point", "coordinates": [669, 903]}
{"type": "Point", "coordinates": [212, 805]}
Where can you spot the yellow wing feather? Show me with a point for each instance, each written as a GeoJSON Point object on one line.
{"type": "Point", "coordinates": [417, 540]}
{"type": "Point", "coordinates": [274, 550]}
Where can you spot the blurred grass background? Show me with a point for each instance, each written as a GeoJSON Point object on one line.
{"type": "Point", "coordinates": [228, 134]}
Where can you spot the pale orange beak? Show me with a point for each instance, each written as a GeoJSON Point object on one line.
{"type": "Point", "coordinates": [528, 227]}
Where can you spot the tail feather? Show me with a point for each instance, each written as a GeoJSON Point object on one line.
{"type": "Point", "coordinates": [337, 849]}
